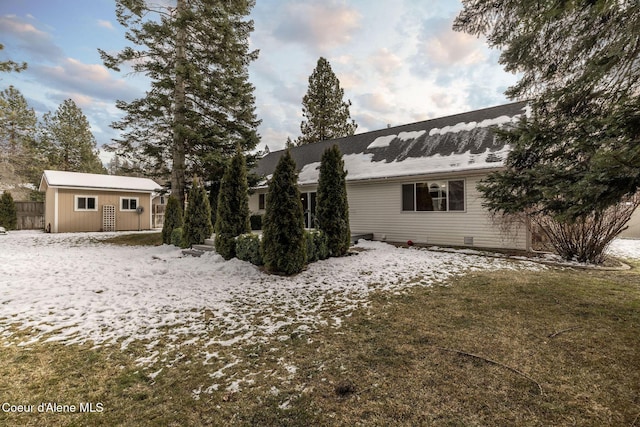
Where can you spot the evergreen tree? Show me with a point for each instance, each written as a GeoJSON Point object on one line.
{"type": "Point", "coordinates": [233, 207]}
{"type": "Point", "coordinates": [578, 152]}
{"type": "Point", "coordinates": [576, 156]}
{"type": "Point", "coordinates": [8, 213]}
{"type": "Point", "coordinates": [201, 103]}
{"type": "Point", "coordinates": [333, 206]}
{"type": "Point", "coordinates": [22, 159]}
{"type": "Point", "coordinates": [72, 146]}
{"type": "Point", "coordinates": [197, 218]}
{"type": "Point", "coordinates": [326, 115]}
{"type": "Point", "coordinates": [10, 66]}
{"type": "Point", "coordinates": [173, 219]}
{"type": "Point", "coordinates": [283, 241]}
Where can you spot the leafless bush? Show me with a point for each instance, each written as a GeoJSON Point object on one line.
{"type": "Point", "coordinates": [586, 238]}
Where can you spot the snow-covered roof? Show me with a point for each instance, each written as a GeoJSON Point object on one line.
{"type": "Point", "coordinates": [462, 142]}
{"type": "Point", "coordinates": [97, 182]}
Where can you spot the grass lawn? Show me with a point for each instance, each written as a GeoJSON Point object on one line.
{"type": "Point", "coordinates": [137, 239]}
{"type": "Point", "coordinates": [558, 347]}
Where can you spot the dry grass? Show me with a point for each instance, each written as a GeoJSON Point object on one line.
{"type": "Point", "coordinates": [136, 239]}
{"type": "Point", "coordinates": [501, 348]}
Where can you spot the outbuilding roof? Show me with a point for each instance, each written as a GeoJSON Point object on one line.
{"type": "Point", "coordinates": [461, 142]}
{"type": "Point", "coordinates": [97, 181]}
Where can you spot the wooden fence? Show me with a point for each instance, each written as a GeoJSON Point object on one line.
{"type": "Point", "coordinates": [30, 215]}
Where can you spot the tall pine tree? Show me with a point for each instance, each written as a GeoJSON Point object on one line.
{"type": "Point", "coordinates": [576, 156]}
{"type": "Point", "coordinates": [21, 158]}
{"type": "Point", "coordinates": [333, 206]}
{"type": "Point", "coordinates": [72, 145]}
{"type": "Point", "coordinates": [200, 104]}
{"type": "Point", "coordinates": [283, 243]}
{"type": "Point", "coordinates": [232, 218]}
{"type": "Point", "coordinates": [326, 115]}
{"type": "Point", "coordinates": [197, 218]}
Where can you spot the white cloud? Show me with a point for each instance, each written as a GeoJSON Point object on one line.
{"type": "Point", "coordinates": [320, 26]}
{"type": "Point", "coordinates": [105, 24]}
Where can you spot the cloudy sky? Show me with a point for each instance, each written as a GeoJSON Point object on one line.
{"type": "Point", "coordinates": [397, 60]}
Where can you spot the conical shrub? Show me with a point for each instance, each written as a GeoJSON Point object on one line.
{"type": "Point", "coordinates": [197, 220]}
{"type": "Point", "coordinates": [283, 241]}
{"type": "Point", "coordinates": [232, 218]}
{"type": "Point", "coordinates": [333, 207]}
{"type": "Point", "coordinates": [172, 219]}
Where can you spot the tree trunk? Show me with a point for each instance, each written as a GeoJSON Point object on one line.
{"type": "Point", "coordinates": [179, 99]}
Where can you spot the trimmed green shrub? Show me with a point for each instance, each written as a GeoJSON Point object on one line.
{"type": "Point", "coordinates": [8, 212]}
{"type": "Point", "coordinates": [256, 222]}
{"type": "Point", "coordinates": [176, 237]}
{"type": "Point", "coordinates": [248, 248]}
{"type": "Point", "coordinates": [317, 248]}
{"type": "Point", "coordinates": [283, 246]}
{"type": "Point", "coordinates": [333, 207]}
{"type": "Point", "coordinates": [197, 220]}
{"type": "Point", "coordinates": [232, 218]}
{"type": "Point", "coordinates": [172, 219]}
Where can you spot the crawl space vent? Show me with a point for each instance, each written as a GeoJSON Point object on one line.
{"type": "Point", "coordinates": [468, 241]}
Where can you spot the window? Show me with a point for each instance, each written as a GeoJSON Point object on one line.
{"type": "Point", "coordinates": [261, 201]}
{"type": "Point", "coordinates": [128, 204]}
{"type": "Point", "coordinates": [434, 196]}
{"type": "Point", "coordinates": [85, 203]}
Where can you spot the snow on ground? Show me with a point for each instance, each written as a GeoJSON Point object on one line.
{"type": "Point", "coordinates": [625, 248]}
{"type": "Point", "coordinates": [73, 289]}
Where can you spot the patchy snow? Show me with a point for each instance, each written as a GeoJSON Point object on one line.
{"type": "Point", "coordinates": [625, 248]}
{"type": "Point", "coordinates": [70, 288]}
{"type": "Point", "coordinates": [468, 126]}
{"type": "Point", "coordinates": [73, 289]}
{"type": "Point", "coordinates": [362, 166]}
{"type": "Point", "coordinates": [384, 141]}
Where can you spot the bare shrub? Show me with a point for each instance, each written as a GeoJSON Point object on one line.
{"type": "Point", "coordinates": [587, 238]}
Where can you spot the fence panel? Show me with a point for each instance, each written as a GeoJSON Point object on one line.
{"type": "Point", "coordinates": [30, 215]}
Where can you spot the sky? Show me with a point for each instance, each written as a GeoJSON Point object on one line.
{"type": "Point", "coordinates": [398, 61]}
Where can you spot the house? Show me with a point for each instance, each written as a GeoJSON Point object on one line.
{"type": "Point", "coordinates": [91, 202]}
{"type": "Point", "coordinates": [416, 181]}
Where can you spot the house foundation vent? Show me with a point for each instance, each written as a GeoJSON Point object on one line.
{"type": "Point", "coordinates": [108, 218]}
{"type": "Point", "coordinates": [468, 241]}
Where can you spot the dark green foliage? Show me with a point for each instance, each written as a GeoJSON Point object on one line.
{"type": "Point", "coordinates": [333, 207]}
{"type": "Point", "coordinates": [172, 219]}
{"type": "Point", "coordinates": [197, 219]}
{"type": "Point", "coordinates": [248, 248]}
{"type": "Point", "coordinates": [317, 247]}
{"type": "Point", "coordinates": [72, 146]}
{"type": "Point", "coordinates": [326, 114]}
{"type": "Point", "coordinates": [176, 237]}
{"type": "Point", "coordinates": [579, 153]}
{"type": "Point", "coordinates": [8, 212]}
{"type": "Point", "coordinates": [283, 244]}
{"type": "Point", "coordinates": [256, 222]}
{"type": "Point", "coordinates": [200, 105]}
{"type": "Point", "coordinates": [233, 207]}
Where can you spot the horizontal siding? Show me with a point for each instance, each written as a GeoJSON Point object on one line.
{"type": "Point", "coordinates": [70, 220]}
{"type": "Point", "coordinates": [633, 230]}
{"type": "Point", "coordinates": [377, 208]}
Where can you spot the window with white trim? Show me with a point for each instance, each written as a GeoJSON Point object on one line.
{"type": "Point", "coordinates": [85, 203]}
{"type": "Point", "coordinates": [128, 203]}
{"type": "Point", "coordinates": [433, 196]}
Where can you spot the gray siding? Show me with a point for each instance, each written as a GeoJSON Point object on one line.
{"type": "Point", "coordinates": [376, 207]}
